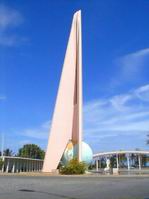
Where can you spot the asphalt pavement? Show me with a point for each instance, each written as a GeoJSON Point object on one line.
{"type": "Point", "coordinates": [66, 187]}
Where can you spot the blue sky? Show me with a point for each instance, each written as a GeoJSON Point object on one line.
{"type": "Point", "coordinates": [33, 40]}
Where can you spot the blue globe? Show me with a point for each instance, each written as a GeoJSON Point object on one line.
{"type": "Point", "coordinates": [71, 152]}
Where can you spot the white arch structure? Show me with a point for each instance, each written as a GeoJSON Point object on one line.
{"type": "Point", "coordinates": [97, 156]}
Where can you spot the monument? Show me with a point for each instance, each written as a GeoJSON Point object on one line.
{"type": "Point", "coordinates": [66, 128]}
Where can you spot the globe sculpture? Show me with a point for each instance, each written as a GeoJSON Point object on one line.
{"type": "Point", "coordinates": [71, 152]}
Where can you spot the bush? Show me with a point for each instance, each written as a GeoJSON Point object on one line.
{"type": "Point", "coordinates": [1, 163]}
{"type": "Point", "coordinates": [73, 167]}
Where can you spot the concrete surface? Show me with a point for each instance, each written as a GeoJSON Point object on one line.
{"type": "Point", "coordinates": [81, 187]}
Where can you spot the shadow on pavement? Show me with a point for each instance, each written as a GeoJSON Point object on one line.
{"type": "Point", "coordinates": [47, 193]}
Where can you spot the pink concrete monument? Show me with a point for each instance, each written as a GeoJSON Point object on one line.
{"type": "Point", "coordinates": [67, 118]}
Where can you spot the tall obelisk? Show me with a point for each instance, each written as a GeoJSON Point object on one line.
{"type": "Point", "coordinates": [67, 117]}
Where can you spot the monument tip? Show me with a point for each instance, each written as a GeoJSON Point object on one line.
{"type": "Point", "coordinates": [78, 12]}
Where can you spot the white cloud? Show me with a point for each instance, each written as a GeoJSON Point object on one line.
{"type": "Point", "coordinates": [143, 92]}
{"type": "Point", "coordinates": [120, 101]}
{"type": "Point", "coordinates": [23, 142]}
{"type": "Point", "coordinates": [9, 19]}
{"type": "Point", "coordinates": [109, 120]}
{"type": "Point", "coordinates": [8, 40]}
{"type": "Point", "coordinates": [118, 115]}
{"type": "Point", "coordinates": [131, 68]}
{"type": "Point", "coordinates": [40, 132]}
{"type": "Point", "coordinates": [3, 97]}
{"type": "Point", "coordinates": [132, 63]}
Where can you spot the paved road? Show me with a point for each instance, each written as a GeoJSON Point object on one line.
{"type": "Point", "coordinates": [39, 187]}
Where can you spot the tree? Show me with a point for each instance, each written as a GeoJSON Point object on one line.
{"type": "Point", "coordinates": [122, 160]}
{"type": "Point", "coordinates": [113, 162]}
{"type": "Point", "coordinates": [1, 163]}
{"type": "Point", "coordinates": [31, 151]}
{"type": "Point", "coordinates": [103, 162]}
{"type": "Point", "coordinates": [8, 152]}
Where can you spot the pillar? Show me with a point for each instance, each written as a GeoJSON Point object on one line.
{"type": "Point", "coordinates": [27, 165]}
{"type": "Point", "coordinates": [13, 167]}
{"type": "Point", "coordinates": [117, 161]}
{"type": "Point", "coordinates": [17, 166]}
{"type": "Point", "coordinates": [139, 157]}
{"type": "Point", "coordinates": [39, 165]}
{"type": "Point", "coordinates": [3, 167]}
{"type": "Point", "coordinates": [31, 165]}
{"type": "Point", "coordinates": [24, 165]}
{"type": "Point", "coordinates": [128, 162]}
{"type": "Point", "coordinates": [35, 166]}
{"type": "Point", "coordinates": [7, 165]}
{"type": "Point", "coordinates": [96, 165]}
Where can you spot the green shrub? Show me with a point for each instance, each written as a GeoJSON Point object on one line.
{"type": "Point", "coordinates": [1, 163]}
{"type": "Point", "coordinates": [73, 167]}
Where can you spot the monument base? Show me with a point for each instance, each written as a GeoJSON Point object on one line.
{"type": "Point", "coordinates": [115, 171]}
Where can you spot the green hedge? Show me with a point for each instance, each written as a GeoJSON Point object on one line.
{"type": "Point", "coordinates": [73, 167]}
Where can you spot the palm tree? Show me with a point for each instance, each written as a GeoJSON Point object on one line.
{"type": "Point", "coordinates": [8, 152]}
